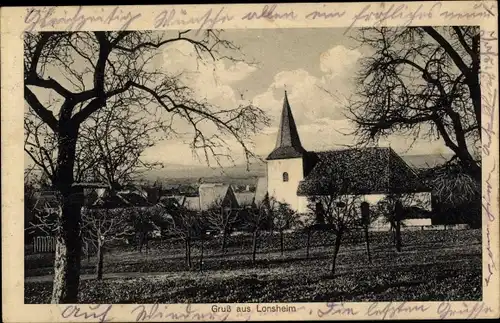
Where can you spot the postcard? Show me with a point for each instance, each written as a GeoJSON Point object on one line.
{"type": "Point", "coordinates": [306, 161]}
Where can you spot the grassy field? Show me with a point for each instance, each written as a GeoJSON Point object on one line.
{"type": "Point", "coordinates": [434, 265]}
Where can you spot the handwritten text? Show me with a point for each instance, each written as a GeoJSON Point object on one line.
{"type": "Point", "coordinates": [75, 21]}
{"type": "Point", "coordinates": [392, 310]}
{"type": "Point", "coordinates": [448, 310]}
{"type": "Point", "coordinates": [99, 312]}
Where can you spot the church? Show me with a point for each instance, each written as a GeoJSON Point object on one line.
{"type": "Point", "coordinates": [294, 175]}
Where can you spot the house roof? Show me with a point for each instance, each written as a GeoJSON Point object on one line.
{"type": "Point", "coordinates": [46, 200]}
{"type": "Point", "coordinates": [260, 189]}
{"type": "Point", "coordinates": [178, 199]}
{"type": "Point", "coordinates": [245, 198]}
{"type": "Point", "coordinates": [211, 193]}
{"type": "Point", "coordinates": [192, 203]}
{"type": "Point", "coordinates": [288, 143]}
{"type": "Point", "coordinates": [373, 170]}
{"type": "Point", "coordinates": [120, 200]}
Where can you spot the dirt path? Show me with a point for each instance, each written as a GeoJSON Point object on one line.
{"type": "Point", "coordinates": [49, 278]}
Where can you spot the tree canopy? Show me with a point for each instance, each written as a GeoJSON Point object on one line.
{"type": "Point", "coordinates": [421, 82]}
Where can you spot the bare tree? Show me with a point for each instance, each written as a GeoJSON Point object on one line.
{"type": "Point", "coordinates": [29, 201]}
{"type": "Point", "coordinates": [256, 218]}
{"type": "Point", "coordinates": [222, 217]}
{"type": "Point", "coordinates": [202, 235]}
{"type": "Point", "coordinates": [422, 81]}
{"type": "Point", "coordinates": [143, 222]}
{"type": "Point", "coordinates": [341, 215]}
{"type": "Point", "coordinates": [111, 144]}
{"type": "Point", "coordinates": [184, 224]}
{"type": "Point", "coordinates": [104, 225]}
{"type": "Point", "coordinates": [387, 209]}
{"type": "Point", "coordinates": [365, 222]}
{"type": "Point", "coordinates": [86, 71]}
{"type": "Point", "coordinates": [393, 209]}
{"type": "Point", "coordinates": [284, 218]}
{"type": "Point", "coordinates": [41, 206]}
{"type": "Point", "coordinates": [310, 224]}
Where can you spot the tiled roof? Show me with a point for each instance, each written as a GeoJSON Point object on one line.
{"type": "Point", "coordinates": [371, 170]}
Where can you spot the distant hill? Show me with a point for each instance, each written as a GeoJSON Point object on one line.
{"type": "Point", "coordinates": [177, 174]}
{"type": "Point", "coordinates": [238, 174]}
{"type": "Point", "coordinates": [426, 161]}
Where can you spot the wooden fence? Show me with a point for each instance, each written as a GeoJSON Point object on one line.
{"type": "Point", "coordinates": [44, 244]}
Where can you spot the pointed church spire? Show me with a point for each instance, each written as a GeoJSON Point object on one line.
{"type": "Point", "coordinates": [288, 143]}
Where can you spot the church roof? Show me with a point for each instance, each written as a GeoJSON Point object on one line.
{"type": "Point", "coordinates": [373, 170]}
{"type": "Point", "coordinates": [288, 143]}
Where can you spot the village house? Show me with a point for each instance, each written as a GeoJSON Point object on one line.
{"type": "Point", "coordinates": [95, 196]}
{"type": "Point", "coordinates": [209, 194]}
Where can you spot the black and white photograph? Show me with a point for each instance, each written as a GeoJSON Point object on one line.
{"type": "Point", "coordinates": [253, 166]}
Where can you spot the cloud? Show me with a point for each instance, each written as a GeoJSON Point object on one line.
{"type": "Point", "coordinates": [338, 60]}
{"type": "Point", "coordinates": [315, 110]}
{"type": "Point", "coordinates": [318, 105]}
{"type": "Point", "coordinates": [210, 80]}
{"type": "Point", "coordinates": [312, 97]}
{"type": "Point", "coordinates": [317, 101]}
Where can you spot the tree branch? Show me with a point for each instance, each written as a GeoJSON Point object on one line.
{"type": "Point", "coordinates": [166, 41]}
{"type": "Point", "coordinates": [42, 112]}
{"type": "Point", "coordinates": [449, 49]}
{"type": "Point", "coordinates": [464, 44]}
{"type": "Point", "coordinates": [97, 103]}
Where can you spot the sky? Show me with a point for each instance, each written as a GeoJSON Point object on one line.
{"type": "Point", "coordinates": [315, 66]}
{"type": "Point", "coordinates": [305, 62]}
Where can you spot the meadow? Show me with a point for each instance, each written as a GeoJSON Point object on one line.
{"type": "Point", "coordinates": [433, 266]}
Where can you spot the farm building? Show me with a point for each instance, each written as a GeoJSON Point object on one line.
{"type": "Point", "coordinates": [208, 195]}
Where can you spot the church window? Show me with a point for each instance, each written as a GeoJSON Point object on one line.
{"type": "Point", "coordinates": [285, 177]}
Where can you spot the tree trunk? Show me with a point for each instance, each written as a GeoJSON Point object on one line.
{"type": "Point", "coordinates": [68, 239]}
{"type": "Point", "coordinates": [282, 247]}
{"type": "Point", "coordinates": [398, 236]}
{"type": "Point", "coordinates": [188, 252]}
{"type": "Point", "coordinates": [100, 259]}
{"type": "Point", "coordinates": [475, 93]}
{"type": "Point", "coordinates": [201, 253]}
{"type": "Point", "coordinates": [87, 252]}
{"type": "Point", "coordinates": [367, 239]}
{"type": "Point", "coordinates": [224, 238]}
{"type": "Point", "coordinates": [393, 232]}
{"type": "Point", "coordinates": [254, 246]}
{"type": "Point", "coordinates": [139, 244]}
{"type": "Point", "coordinates": [338, 240]}
{"type": "Point", "coordinates": [308, 244]}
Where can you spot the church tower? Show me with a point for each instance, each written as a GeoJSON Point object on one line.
{"type": "Point", "coordinates": [285, 164]}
